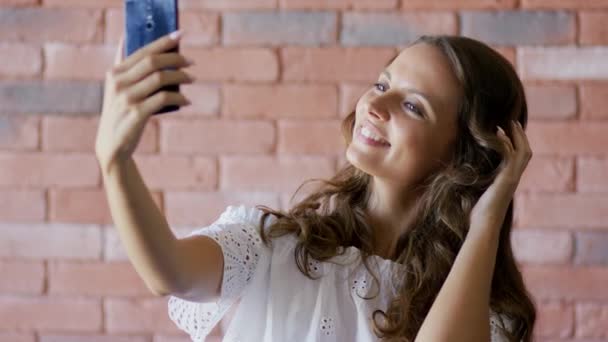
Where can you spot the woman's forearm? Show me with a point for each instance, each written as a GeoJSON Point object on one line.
{"type": "Point", "coordinates": [461, 310]}
{"type": "Point", "coordinates": [143, 230]}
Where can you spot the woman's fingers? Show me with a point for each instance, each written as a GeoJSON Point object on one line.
{"type": "Point", "coordinates": [155, 81]}
{"type": "Point", "coordinates": [157, 101]}
{"type": "Point", "coordinates": [149, 65]}
{"type": "Point", "coordinates": [160, 45]}
{"type": "Point", "coordinates": [118, 58]}
{"type": "Point", "coordinates": [506, 140]}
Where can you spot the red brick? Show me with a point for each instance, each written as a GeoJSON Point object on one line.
{"type": "Point", "coordinates": [23, 277]}
{"type": "Point", "coordinates": [233, 64]}
{"type": "Point", "coordinates": [562, 210]}
{"type": "Point", "coordinates": [286, 100]}
{"type": "Point", "coordinates": [517, 27]}
{"type": "Point", "coordinates": [350, 93]}
{"type": "Point", "coordinates": [591, 175]}
{"type": "Point", "coordinates": [64, 62]}
{"type": "Point", "coordinates": [217, 136]}
{"type": "Point", "coordinates": [551, 102]}
{"type": "Point", "coordinates": [334, 64]}
{"type": "Point", "coordinates": [542, 247]}
{"type": "Point", "coordinates": [168, 172]}
{"type": "Point", "coordinates": [591, 248]}
{"type": "Point", "coordinates": [203, 208]}
{"type": "Point", "coordinates": [80, 3]}
{"type": "Point", "coordinates": [228, 5]}
{"type": "Point", "coordinates": [584, 138]}
{"type": "Point", "coordinates": [205, 100]}
{"type": "Point", "coordinates": [249, 28]}
{"type": "Point", "coordinates": [594, 103]}
{"type": "Point", "coordinates": [44, 25]}
{"type": "Point", "coordinates": [572, 4]}
{"type": "Point", "coordinates": [593, 30]}
{"type": "Point", "coordinates": [310, 137]}
{"type": "Point", "coordinates": [91, 338]}
{"type": "Point", "coordinates": [138, 316]}
{"type": "Point", "coordinates": [394, 28]}
{"type": "Point", "coordinates": [565, 282]}
{"type": "Point", "coordinates": [507, 52]}
{"type": "Point", "coordinates": [49, 97]}
{"type": "Point", "coordinates": [563, 63]}
{"type": "Point", "coordinates": [50, 314]}
{"type": "Point", "coordinates": [472, 4]}
{"type": "Point", "coordinates": [78, 134]}
{"type": "Point", "coordinates": [282, 174]}
{"type": "Point", "coordinates": [26, 61]}
{"type": "Point", "coordinates": [339, 4]}
{"type": "Point", "coordinates": [14, 336]}
{"type": "Point", "coordinates": [22, 206]}
{"type": "Point", "coordinates": [42, 170]}
{"type": "Point", "coordinates": [548, 173]}
{"type": "Point", "coordinates": [592, 320]}
{"type": "Point", "coordinates": [18, 3]}
{"type": "Point", "coordinates": [111, 279]}
{"type": "Point", "coordinates": [19, 132]}
{"type": "Point", "coordinates": [554, 319]}
{"type": "Point", "coordinates": [200, 28]}
{"type": "Point", "coordinates": [83, 205]}
{"type": "Point", "coordinates": [23, 241]}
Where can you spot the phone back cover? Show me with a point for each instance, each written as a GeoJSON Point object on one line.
{"type": "Point", "coordinates": [148, 20]}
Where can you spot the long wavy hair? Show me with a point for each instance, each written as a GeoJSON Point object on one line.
{"type": "Point", "coordinates": [333, 216]}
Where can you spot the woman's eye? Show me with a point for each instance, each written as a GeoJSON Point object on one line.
{"type": "Point", "coordinates": [412, 107]}
{"type": "Point", "coordinates": [378, 84]}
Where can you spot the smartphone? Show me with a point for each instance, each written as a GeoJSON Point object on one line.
{"type": "Point", "coordinates": [146, 21]}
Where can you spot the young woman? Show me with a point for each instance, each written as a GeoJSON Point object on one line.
{"type": "Point", "coordinates": [409, 241]}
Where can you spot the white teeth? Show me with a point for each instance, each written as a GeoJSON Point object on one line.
{"type": "Point", "coordinates": [367, 133]}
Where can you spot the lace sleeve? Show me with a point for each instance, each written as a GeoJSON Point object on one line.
{"type": "Point", "coordinates": [236, 231]}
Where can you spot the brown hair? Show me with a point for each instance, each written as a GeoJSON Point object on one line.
{"type": "Point", "coordinates": [333, 216]}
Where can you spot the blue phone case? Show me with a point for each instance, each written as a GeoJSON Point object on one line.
{"type": "Point", "coordinates": [146, 21]}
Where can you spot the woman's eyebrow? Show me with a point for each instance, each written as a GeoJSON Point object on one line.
{"type": "Point", "coordinates": [413, 90]}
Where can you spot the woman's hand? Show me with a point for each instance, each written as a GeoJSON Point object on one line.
{"type": "Point", "coordinates": [127, 104]}
{"type": "Point", "coordinates": [492, 205]}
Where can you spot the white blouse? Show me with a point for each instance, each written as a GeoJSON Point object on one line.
{"type": "Point", "coordinates": [276, 302]}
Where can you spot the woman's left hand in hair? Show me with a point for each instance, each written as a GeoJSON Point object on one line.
{"type": "Point", "coordinates": [494, 202]}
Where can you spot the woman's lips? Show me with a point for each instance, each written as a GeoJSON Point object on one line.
{"type": "Point", "coordinates": [369, 141]}
{"type": "Point", "coordinates": [367, 124]}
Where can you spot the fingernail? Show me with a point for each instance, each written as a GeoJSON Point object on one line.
{"type": "Point", "coordinates": [175, 34]}
{"type": "Point", "coordinates": [500, 130]}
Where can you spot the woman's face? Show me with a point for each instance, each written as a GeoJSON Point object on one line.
{"type": "Point", "coordinates": [413, 107]}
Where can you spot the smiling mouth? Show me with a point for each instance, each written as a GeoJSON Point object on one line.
{"type": "Point", "coordinates": [370, 141]}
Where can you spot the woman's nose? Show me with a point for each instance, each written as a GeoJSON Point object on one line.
{"type": "Point", "coordinates": [378, 111]}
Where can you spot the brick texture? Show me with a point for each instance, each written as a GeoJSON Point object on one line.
{"type": "Point", "coordinates": [279, 28]}
{"type": "Point", "coordinates": [519, 27]}
{"type": "Point", "coordinates": [274, 79]}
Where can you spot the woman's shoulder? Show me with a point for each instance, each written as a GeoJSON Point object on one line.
{"type": "Point", "coordinates": [243, 213]}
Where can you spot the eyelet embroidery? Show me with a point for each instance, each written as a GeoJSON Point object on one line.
{"type": "Point", "coordinates": [236, 232]}
{"type": "Point", "coordinates": [360, 286]}
{"type": "Point", "coordinates": [327, 326]}
{"type": "Point", "coordinates": [315, 267]}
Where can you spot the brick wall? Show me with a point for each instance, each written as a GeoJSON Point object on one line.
{"type": "Point", "coordinates": [274, 79]}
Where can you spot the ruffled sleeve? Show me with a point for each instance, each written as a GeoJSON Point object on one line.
{"type": "Point", "coordinates": [237, 233]}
